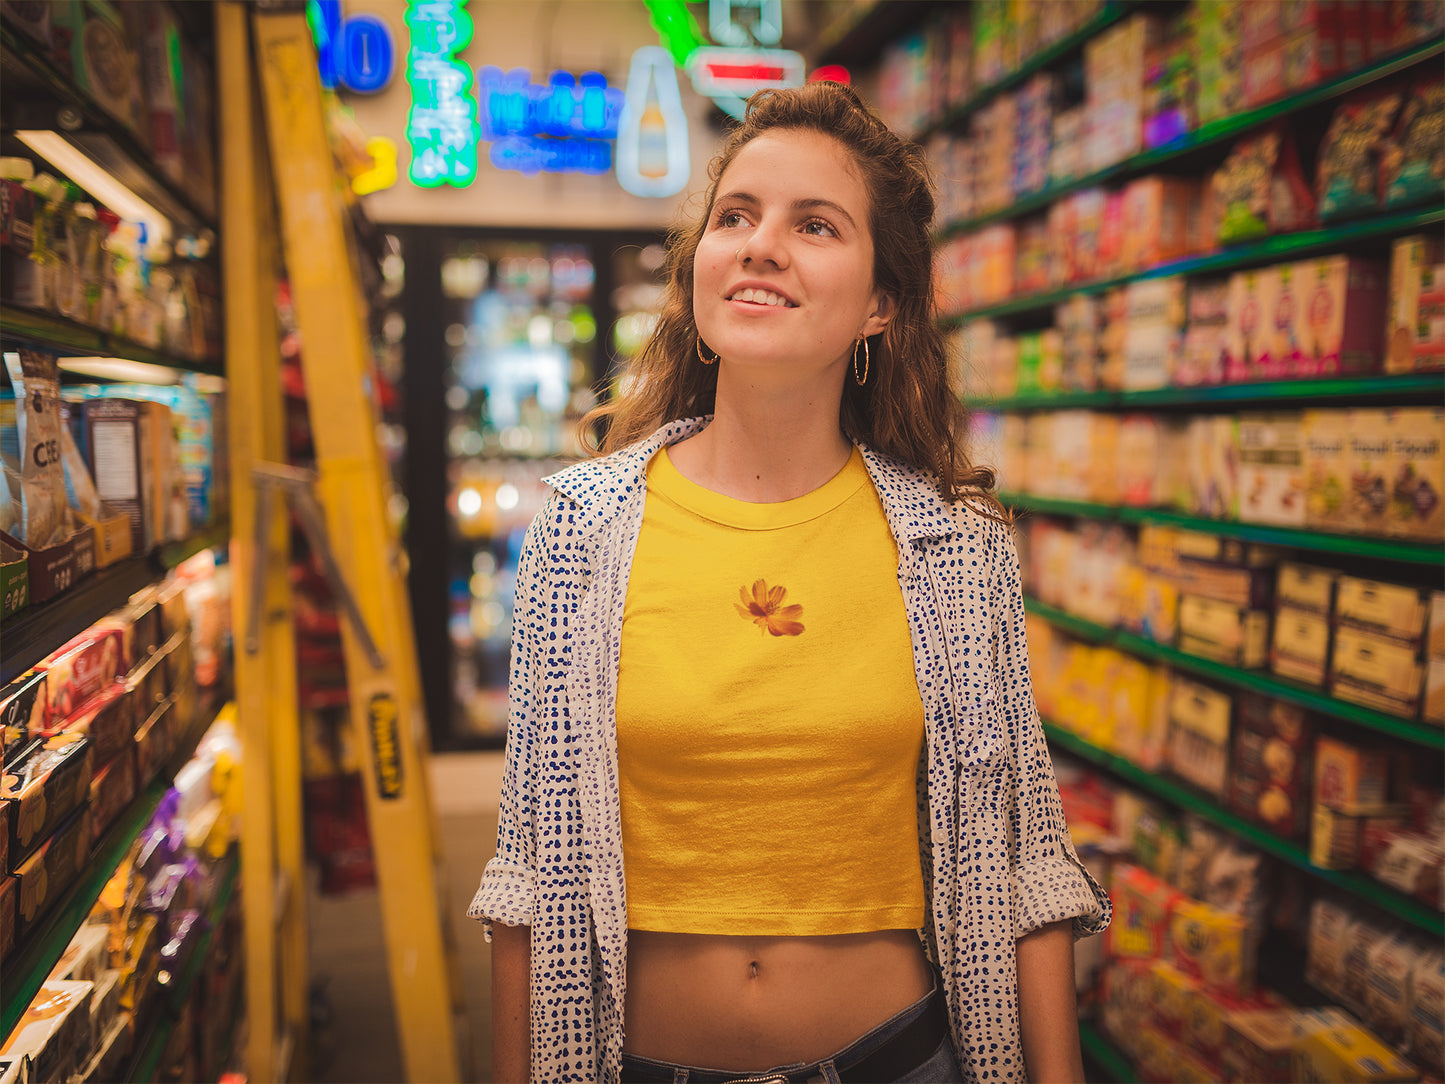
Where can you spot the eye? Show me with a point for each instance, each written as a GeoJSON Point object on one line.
{"type": "Point", "coordinates": [730, 219]}
{"type": "Point", "coordinates": [816, 227]}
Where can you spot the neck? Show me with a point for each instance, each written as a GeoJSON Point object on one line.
{"type": "Point", "coordinates": [767, 444]}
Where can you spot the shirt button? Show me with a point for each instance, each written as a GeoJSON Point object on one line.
{"type": "Point", "coordinates": [940, 835]}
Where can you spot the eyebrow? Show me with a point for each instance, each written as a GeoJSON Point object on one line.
{"type": "Point", "coordinates": [798, 204]}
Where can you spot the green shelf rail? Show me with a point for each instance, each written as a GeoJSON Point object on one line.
{"type": "Point", "coordinates": [1383, 549]}
{"type": "Point", "coordinates": [1401, 387]}
{"type": "Point", "coordinates": [1307, 696]}
{"type": "Point", "coordinates": [1274, 249]}
{"type": "Point", "coordinates": [1103, 1053]}
{"type": "Point", "coordinates": [146, 1061]}
{"type": "Point", "coordinates": [1208, 135]}
{"type": "Point", "coordinates": [72, 338]}
{"type": "Point", "coordinates": [1183, 797]}
{"type": "Point", "coordinates": [32, 962]}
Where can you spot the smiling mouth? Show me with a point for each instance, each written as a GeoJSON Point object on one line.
{"type": "Point", "coordinates": [755, 296]}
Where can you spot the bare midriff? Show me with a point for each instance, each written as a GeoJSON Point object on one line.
{"type": "Point", "coordinates": [750, 1003]}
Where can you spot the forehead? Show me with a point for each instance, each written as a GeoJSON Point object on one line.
{"type": "Point", "coordinates": [797, 163]}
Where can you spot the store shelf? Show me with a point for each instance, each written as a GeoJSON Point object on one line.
{"type": "Point", "coordinates": [28, 967]}
{"type": "Point", "coordinates": [69, 338]}
{"type": "Point", "coordinates": [1107, 15]}
{"type": "Point", "coordinates": [1103, 1053]}
{"type": "Point", "coordinates": [1209, 135]}
{"type": "Point", "coordinates": [1307, 696]}
{"type": "Point", "coordinates": [1381, 549]}
{"type": "Point", "coordinates": [1284, 246]}
{"type": "Point", "coordinates": [1183, 797]}
{"type": "Point", "coordinates": [852, 39]}
{"type": "Point", "coordinates": [42, 627]}
{"type": "Point", "coordinates": [146, 1060]}
{"type": "Point", "coordinates": [1403, 387]}
{"type": "Point", "coordinates": [39, 95]}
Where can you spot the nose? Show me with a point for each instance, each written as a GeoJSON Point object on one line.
{"type": "Point", "coordinates": [767, 243]}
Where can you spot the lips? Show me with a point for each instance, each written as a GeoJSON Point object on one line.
{"type": "Point", "coordinates": [754, 295]}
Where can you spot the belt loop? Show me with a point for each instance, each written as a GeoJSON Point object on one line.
{"type": "Point", "coordinates": [679, 1075]}
{"type": "Point", "coordinates": [830, 1072]}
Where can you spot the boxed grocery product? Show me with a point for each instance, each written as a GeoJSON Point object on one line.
{"type": "Point", "coordinates": [1272, 478]}
{"type": "Point", "coordinates": [1218, 946]}
{"type": "Point", "coordinates": [1371, 470]}
{"type": "Point", "coordinates": [1348, 174]}
{"type": "Point", "coordinates": [1337, 834]}
{"type": "Point", "coordinates": [1142, 906]}
{"type": "Point", "coordinates": [1307, 587]}
{"type": "Point", "coordinates": [1213, 458]}
{"type": "Point", "coordinates": [1413, 161]}
{"type": "Point", "coordinates": [22, 708]}
{"type": "Point", "coordinates": [1155, 221]}
{"type": "Point", "coordinates": [1259, 1047]}
{"type": "Point", "coordinates": [1260, 189]}
{"type": "Point", "coordinates": [112, 790]}
{"type": "Point", "coordinates": [1390, 610]}
{"type": "Point", "coordinates": [1139, 456]}
{"type": "Point", "coordinates": [14, 579]}
{"type": "Point", "coordinates": [1301, 645]}
{"type": "Point", "coordinates": [42, 785]}
{"type": "Point", "coordinates": [1342, 308]}
{"type": "Point", "coordinates": [1207, 1012]}
{"type": "Point", "coordinates": [1199, 729]}
{"type": "Point", "coordinates": [54, 1026]}
{"type": "Point", "coordinates": [1417, 486]}
{"type": "Point", "coordinates": [1172, 989]}
{"type": "Point", "coordinates": [1248, 332]}
{"type": "Point", "coordinates": [1376, 672]}
{"type": "Point", "coordinates": [1272, 765]}
{"type": "Point", "coordinates": [121, 450]}
{"type": "Point", "coordinates": [1114, 82]}
{"type": "Point", "coordinates": [84, 667]}
{"type": "Point", "coordinates": [1350, 1055]}
{"type": "Point", "coordinates": [148, 684]}
{"type": "Point", "coordinates": [1427, 1023]}
{"type": "Point", "coordinates": [85, 957]}
{"type": "Point", "coordinates": [1350, 774]}
{"type": "Point", "coordinates": [106, 720]}
{"type": "Point", "coordinates": [1415, 331]}
{"type": "Point", "coordinates": [1283, 321]}
{"type": "Point", "coordinates": [111, 1050]}
{"type": "Point", "coordinates": [153, 741]}
{"type": "Point", "coordinates": [1327, 944]}
{"type": "Point", "coordinates": [43, 877]}
{"type": "Point", "coordinates": [1222, 631]}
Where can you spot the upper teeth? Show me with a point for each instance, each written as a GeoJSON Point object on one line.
{"type": "Point", "coordinates": [762, 297]}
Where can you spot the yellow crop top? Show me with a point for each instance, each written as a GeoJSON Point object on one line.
{"type": "Point", "coordinates": [769, 725]}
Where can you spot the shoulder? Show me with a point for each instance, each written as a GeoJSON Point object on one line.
{"type": "Point", "coordinates": [599, 487]}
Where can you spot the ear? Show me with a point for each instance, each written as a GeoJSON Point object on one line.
{"type": "Point", "coordinates": [883, 309]}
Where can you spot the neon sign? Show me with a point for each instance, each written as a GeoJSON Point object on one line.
{"type": "Point", "coordinates": [740, 72]}
{"type": "Point", "coordinates": [356, 52]}
{"type": "Point", "coordinates": [652, 148]}
{"type": "Point", "coordinates": [563, 127]}
{"type": "Point", "coordinates": [442, 123]}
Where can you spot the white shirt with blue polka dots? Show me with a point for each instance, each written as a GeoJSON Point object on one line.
{"type": "Point", "coordinates": [995, 849]}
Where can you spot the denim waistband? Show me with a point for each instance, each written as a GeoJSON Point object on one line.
{"type": "Point", "coordinates": [916, 1031]}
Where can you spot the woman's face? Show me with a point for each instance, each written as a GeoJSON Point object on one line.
{"type": "Point", "coordinates": [783, 274]}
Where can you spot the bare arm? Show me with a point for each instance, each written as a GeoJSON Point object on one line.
{"type": "Point", "coordinates": [511, 1003]}
{"type": "Point", "coordinates": [1048, 1011]}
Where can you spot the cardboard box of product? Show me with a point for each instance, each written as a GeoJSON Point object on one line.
{"type": "Point", "coordinates": [107, 720]}
{"type": "Point", "coordinates": [1342, 305]}
{"type": "Point", "coordinates": [1326, 437]}
{"type": "Point", "coordinates": [1390, 610]}
{"type": "Point", "coordinates": [1248, 330]}
{"type": "Point", "coordinates": [1230, 634]}
{"type": "Point", "coordinates": [1272, 480]}
{"type": "Point", "coordinates": [1214, 944]}
{"type": "Point", "coordinates": [1272, 765]}
{"type": "Point", "coordinates": [14, 580]}
{"type": "Point", "coordinates": [1376, 672]}
{"type": "Point", "coordinates": [44, 876]}
{"type": "Point", "coordinates": [56, 568]}
{"type": "Point", "coordinates": [1199, 732]}
{"type": "Point", "coordinates": [120, 450]}
{"type": "Point", "coordinates": [1415, 331]}
{"type": "Point", "coordinates": [1433, 708]}
{"type": "Point", "coordinates": [1417, 475]}
{"type": "Point", "coordinates": [52, 1029]}
{"type": "Point", "coordinates": [1371, 470]}
{"type": "Point", "coordinates": [1307, 587]}
{"type": "Point", "coordinates": [1350, 1055]}
{"type": "Point", "coordinates": [8, 897]}
{"type": "Point", "coordinates": [84, 666]}
{"type": "Point", "coordinates": [22, 709]}
{"type": "Point", "coordinates": [112, 789]}
{"type": "Point", "coordinates": [1349, 774]}
{"type": "Point", "coordinates": [1301, 645]}
{"type": "Point", "coordinates": [42, 786]}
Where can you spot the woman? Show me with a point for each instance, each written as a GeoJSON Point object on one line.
{"type": "Point", "coordinates": [777, 803]}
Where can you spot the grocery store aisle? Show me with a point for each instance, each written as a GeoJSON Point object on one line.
{"type": "Point", "coordinates": [358, 1042]}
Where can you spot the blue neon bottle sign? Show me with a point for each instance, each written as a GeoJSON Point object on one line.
{"type": "Point", "coordinates": [355, 52]}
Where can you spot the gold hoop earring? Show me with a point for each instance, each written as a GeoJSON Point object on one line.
{"type": "Point", "coordinates": [860, 380]}
{"type": "Point", "coordinates": [703, 357]}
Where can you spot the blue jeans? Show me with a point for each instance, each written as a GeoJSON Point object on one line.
{"type": "Point", "coordinates": [941, 1067]}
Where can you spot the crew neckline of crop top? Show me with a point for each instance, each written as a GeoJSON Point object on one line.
{"type": "Point", "coordinates": [665, 479]}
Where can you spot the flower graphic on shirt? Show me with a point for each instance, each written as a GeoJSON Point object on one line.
{"type": "Point", "coordinates": [763, 606]}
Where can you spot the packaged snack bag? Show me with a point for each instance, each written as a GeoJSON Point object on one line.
{"type": "Point", "coordinates": [1260, 189]}
{"type": "Point", "coordinates": [1347, 178]}
{"type": "Point", "coordinates": [1413, 162]}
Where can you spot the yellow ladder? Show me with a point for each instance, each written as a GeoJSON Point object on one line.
{"type": "Point", "coordinates": [275, 55]}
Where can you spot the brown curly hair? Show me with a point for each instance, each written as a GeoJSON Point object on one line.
{"type": "Point", "coordinates": [911, 408]}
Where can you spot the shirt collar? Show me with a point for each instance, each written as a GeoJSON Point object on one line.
{"type": "Point", "coordinates": [602, 487]}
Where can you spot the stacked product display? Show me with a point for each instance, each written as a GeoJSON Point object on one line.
{"type": "Point", "coordinates": [1190, 256]}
